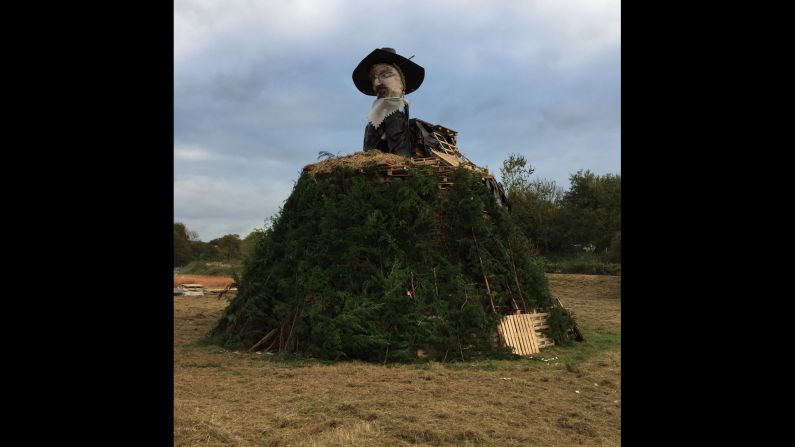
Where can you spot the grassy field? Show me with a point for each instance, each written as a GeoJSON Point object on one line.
{"type": "Point", "coordinates": [563, 396]}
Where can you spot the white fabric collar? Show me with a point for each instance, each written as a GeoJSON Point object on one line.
{"type": "Point", "coordinates": [383, 107]}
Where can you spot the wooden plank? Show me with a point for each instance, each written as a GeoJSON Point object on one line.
{"type": "Point", "coordinates": [516, 340]}
{"type": "Point", "coordinates": [527, 349]}
{"type": "Point", "coordinates": [506, 335]}
{"type": "Point", "coordinates": [515, 343]}
{"type": "Point", "coordinates": [531, 334]}
{"type": "Point", "coordinates": [541, 334]}
{"type": "Point", "coordinates": [519, 339]}
{"type": "Point", "coordinates": [447, 158]}
{"type": "Point", "coordinates": [522, 349]}
{"type": "Point", "coordinates": [510, 336]}
{"type": "Point", "coordinates": [536, 341]}
{"type": "Point", "coordinates": [528, 329]}
{"type": "Point", "coordinates": [451, 149]}
{"type": "Point", "coordinates": [263, 340]}
{"type": "Point", "coordinates": [537, 321]}
{"type": "Point", "coordinates": [503, 335]}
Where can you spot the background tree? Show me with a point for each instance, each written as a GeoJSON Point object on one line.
{"type": "Point", "coordinates": [204, 251]}
{"type": "Point", "coordinates": [515, 173]}
{"type": "Point", "coordinates": [543, 199]}
{"type": "Point", "coordinates": [227, 248]}
{"type": "Point", "coordinates": [534, 203]}
{"type": "Point", "coordinates": [591, 210]}
{"type": "Point", "coordinates": [561, 223]}
{"type": "Point", "coordinates": [250, 241]}
{"type": "Point", "coordinates": [182, 247]}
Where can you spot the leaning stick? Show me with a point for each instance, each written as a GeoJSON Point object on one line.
{"type": "Point", "coordinates": [262, 340]}
{"type": "Point", "coordinates": [488, 289]}
{"type": "Point", "coordinates": [516, 278]}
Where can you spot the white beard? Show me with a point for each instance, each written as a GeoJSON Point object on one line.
{"type": "Point", "coordinates": [383, 107]}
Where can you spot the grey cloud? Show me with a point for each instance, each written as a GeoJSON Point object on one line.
{"type": "Point", "coordinates": [265, 89]}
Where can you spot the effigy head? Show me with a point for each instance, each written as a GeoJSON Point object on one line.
{"type": "Point", "coordinates": [383, 68]}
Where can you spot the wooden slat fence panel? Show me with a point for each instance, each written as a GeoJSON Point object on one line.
{"type": "Point", "coordinates": [523, 332]}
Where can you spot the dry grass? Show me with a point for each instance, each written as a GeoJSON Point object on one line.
{"type": "Point", "coordinates": [357, 160]}
{"type": "Point", "coordinates": [230, 398]}
{"type": "Point", "coordinates": [595, 299]}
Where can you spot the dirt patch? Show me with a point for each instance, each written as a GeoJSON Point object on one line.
{"type": "Point", "coordinates": [207, 281]}
{"type": "Point", "coordinates": [247, 399]}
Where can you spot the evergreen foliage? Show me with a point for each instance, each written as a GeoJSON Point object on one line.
{"type": "Point", "coordinates": [354, 267]}
{"type": "Point", "coordinates": [560, 322]}
{"type": "Point", "coordinates": [562, 223]}
{"type": "Point", "coordinates": [182, 248]}
{"type": "Point", "coordinates": [591, 210]}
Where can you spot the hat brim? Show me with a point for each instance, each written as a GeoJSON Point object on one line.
{"type": "Point", "coordinates": [413, 73]}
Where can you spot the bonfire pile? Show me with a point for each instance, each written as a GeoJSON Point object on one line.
{"type": "Point", "coordinates": [380, 257]}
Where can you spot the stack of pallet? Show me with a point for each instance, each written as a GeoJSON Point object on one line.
{"type": "Point", "coordinates": [523, 332]}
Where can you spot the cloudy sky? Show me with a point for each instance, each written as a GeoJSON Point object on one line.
{"type": "Point", "coordinates": [261, 86]}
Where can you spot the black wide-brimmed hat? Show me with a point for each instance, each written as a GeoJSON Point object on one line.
{"type": "Point", "coordinates": [413, 73]}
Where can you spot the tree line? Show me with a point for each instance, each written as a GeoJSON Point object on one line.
{"type": "Point", "coordinates": [583, 220]}
{"type": "Point", "coordinates": [229, 248]}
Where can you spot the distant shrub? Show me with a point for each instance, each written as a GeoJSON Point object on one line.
{"type": "Point", "coordinates": [211, 268]}
{"type": "Point", "coordinates": [589, 264]}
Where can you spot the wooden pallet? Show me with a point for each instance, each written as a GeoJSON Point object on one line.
{"type": "Point", "coordinates": [444, 163]}
{"type": "Point", "coordinates": [523, 332]}
{"type": "Point", "coordinates": [539, 322]}
{"type": "Point", "coordinates": [425, 161]}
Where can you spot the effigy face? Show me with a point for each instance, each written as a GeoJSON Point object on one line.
{"type": "Point", "coordinates": [386, 80]}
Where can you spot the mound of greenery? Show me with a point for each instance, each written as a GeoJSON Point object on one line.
{"type": "Point", "coordinates": [354, 267]}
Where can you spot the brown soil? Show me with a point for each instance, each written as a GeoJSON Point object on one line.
{"type": "Point", "coordinates": [205, 280]}
{"type": "Point", "coordinates": [247, 399]}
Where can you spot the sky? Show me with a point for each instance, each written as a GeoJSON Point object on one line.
{"type": "Point", "coordinates": [261, 87]}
